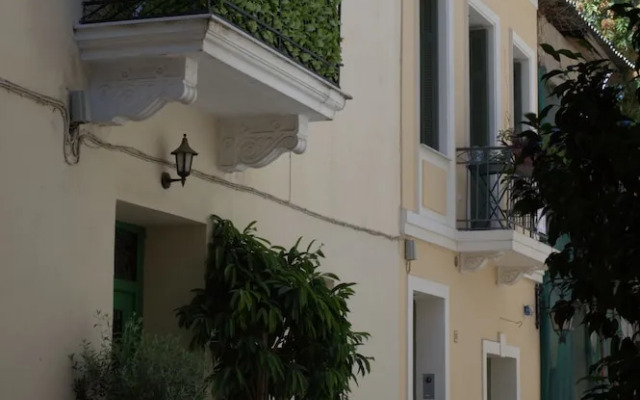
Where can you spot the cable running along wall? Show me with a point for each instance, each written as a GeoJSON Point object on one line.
{"type": "Point", "coordinates": [73, 140]}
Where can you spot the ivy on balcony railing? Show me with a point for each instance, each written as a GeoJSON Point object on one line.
{"type": "Point", "coordinates": [307, 31]}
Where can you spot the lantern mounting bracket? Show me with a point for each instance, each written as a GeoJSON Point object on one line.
{"type": "Point", "coordinates": [166, 180]}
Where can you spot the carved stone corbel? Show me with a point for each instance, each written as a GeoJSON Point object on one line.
{"type": "Point", "coordinates": [469, 262]}
{"type": "Point", "coordinates": [511, 275]}
{"type": "Point", "coordinates": [257, 141]}
{"type": "Point", "coordinates": [137, 88]}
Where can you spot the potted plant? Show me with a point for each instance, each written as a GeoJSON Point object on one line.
{"type": "Point", "coordinates": [272, 325]}
{"type": "Point", "coordinates": [137, 366]}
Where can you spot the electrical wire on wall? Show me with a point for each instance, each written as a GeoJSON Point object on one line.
{"type": "Point", "coordinates": [74, 138]}
{"type": "Point", "coordinates": [518, 323]}
{"type": "Point", "coordinates": [71, 142]}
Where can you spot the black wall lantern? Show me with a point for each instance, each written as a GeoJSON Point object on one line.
{"type": "Point", "coordinates": [184, 159]}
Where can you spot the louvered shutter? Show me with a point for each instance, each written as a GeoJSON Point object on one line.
{"type": "Point", "coordinates": [479, 87]}
{"type": "Point", "coordinates": [517, 96]}
{"type": "Point", "coordinates": [429, 73]}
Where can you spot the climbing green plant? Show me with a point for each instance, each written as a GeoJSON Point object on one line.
{"type": "Point", "coordinates": [308, 31]}
{"type": "Point", "coordinates": [600, 15]}
{"type": "Point", "coordinates": [273, 326]}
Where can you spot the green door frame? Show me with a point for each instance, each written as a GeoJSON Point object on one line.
{"type": "Point", "coordinates": [127, 288]}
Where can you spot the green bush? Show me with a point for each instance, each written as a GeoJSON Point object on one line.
{"type": "Point", "coordinates": [137, 366]}
{"type": "Point", "coordinates": [273, 326]}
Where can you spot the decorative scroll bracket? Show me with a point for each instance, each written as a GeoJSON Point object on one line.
{"type": "Point", "coordinates": [469, 262]}
{"type": "Point", "coordinates": [511, 275]}
{"type": "Point", "coordinates": [257, 141]}
{"type": "Point", "coordinates": [135, 89]}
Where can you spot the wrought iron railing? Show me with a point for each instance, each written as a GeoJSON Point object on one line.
{"type": "Point", "coordinates": [262, 26]}
{"type": "Point", "coordinates": [488, 186]}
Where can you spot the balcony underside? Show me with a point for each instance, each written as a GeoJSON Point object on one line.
{"type": "Point", "coordinates": [513, 253]}
{"type": "Point", "coordinates": [490, 232]}
{"type": "Point", "coordinates": [261, 96]}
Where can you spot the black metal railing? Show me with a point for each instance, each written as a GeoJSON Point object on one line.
{"type": "Point", "coordinates": [488, 184]}
{"type": "Point", "coordinates": [262, 26]}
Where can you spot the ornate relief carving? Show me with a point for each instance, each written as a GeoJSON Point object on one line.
{"type": "Point", "coordinates": [511, 275]}
{"type": "Point", "coordinates": [476, 261]}
{"type": "Point", "coordinates": [257, 141]}
{"type": "Point", "coordinates": [134, 90]}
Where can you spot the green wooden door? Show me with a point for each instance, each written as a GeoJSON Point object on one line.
{"type": "Point", "coordinates": [127, 274]}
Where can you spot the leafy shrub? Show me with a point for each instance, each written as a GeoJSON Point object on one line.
{"type": "Point", "coordinates": [273, 327]}
{"type": "Point", "coordinates": [137, 366]}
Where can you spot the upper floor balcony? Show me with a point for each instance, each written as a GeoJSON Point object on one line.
{"type": "Point", "coordinates": [489, 230]}
{"type": "Point", "coordinates": [265, 68]}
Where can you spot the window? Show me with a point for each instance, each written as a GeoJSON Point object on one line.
{"type": "Point", "coordinates": [429, 78]}
{"type": "Point", "coordinates": [479, 87]}
{"type": "Point", "coordinates": [523, 93]}
{"type": "Point", "coordinates": [517, 95]}
{"type": "Point", "coordinates": [483, 83]}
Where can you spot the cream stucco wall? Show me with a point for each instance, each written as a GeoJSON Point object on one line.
{"type": "Point", "coordinates": [57, 221]}
{"type": "Point", "coordinates": [173, 265]}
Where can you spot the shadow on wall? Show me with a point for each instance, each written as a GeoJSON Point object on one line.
{"type": "Point", "coordinates": [169, 252]}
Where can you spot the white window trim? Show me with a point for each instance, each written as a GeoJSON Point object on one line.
{"type": "Point", "coordinates": [530, 88]}
{"type": "Point", "coordinates": [499, 349]}
{"type": "Point", "coordinates": [445, 156]}
{"type": "Point", "coordinates": [496, 94]}
{"type": "Point", "coordinates": [419, 285]}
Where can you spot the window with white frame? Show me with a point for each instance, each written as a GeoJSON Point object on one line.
{"type": "Point", "coordinates": [523, 85]}
{"type": "Point", "coordinates": [483, 71]}
{"type": "Point", "coordinates": [431, 55]}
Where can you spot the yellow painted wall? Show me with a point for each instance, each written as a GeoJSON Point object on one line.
{"type": "Point", "coordinates": [479, 310]}
{"type": "Point", "coordinates": [434, 180]}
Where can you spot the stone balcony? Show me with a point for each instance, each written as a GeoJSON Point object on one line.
{"type": "Point", "coordinates": [246, 66]}
{"type": "Point", "coordinates": [489, 233]}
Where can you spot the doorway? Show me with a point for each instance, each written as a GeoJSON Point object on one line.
{"type": "Point", "coordinates": [428, 327]}
{"type": "Point", "coordinates": [501, 370]}
{"type": "Point", "coordinates": [501, 378]}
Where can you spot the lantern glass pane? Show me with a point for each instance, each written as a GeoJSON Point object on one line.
{"type": "Point", "coordinates": [180, 163]}
{"type": "Point", "coordinates": [187, 163]}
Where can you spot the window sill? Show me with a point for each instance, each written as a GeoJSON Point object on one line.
{"type": "Point", "coordinates": [435, 156]}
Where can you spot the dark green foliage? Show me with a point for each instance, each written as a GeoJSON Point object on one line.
{"type": "Point", "coordinates": [272, 326]}
{"type": "Point", "coordinates": [138, 367]}
{"type": "Point", "coordinates": [586, 179]}
{"type": "Point", "coordinates": [313, 26]}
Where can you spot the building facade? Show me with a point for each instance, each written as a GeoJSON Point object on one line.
{"type": "Point", "coordinates": [469, 314]}
{"type": "Point", "coordinates": [242, 105]}
{"type": "Point", "coordinates": [398, 150]}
